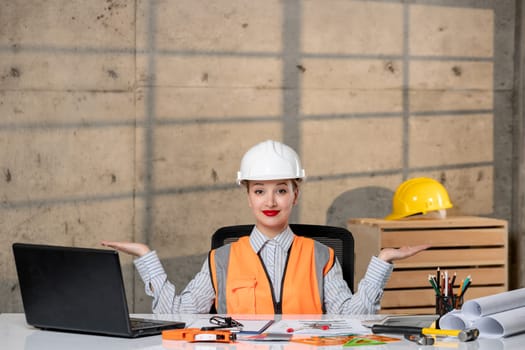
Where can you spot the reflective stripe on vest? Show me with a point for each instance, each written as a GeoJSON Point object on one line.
{"type": "Point", "coordinates": [242, 286]}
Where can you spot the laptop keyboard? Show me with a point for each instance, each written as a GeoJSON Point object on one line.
{"type": "Point", "coordinates": [141, 324]}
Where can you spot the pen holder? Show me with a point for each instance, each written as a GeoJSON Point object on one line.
{"type": "Point", "coordinates": [446, 304]}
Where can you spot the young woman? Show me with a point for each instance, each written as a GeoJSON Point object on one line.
{"type": "Point", "coordinates": [272, 270]}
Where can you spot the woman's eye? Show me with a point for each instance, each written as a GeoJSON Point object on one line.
{"type": "Point", "coordinates": [258, 191]}
{"type": "Point", "coordinates": [283, 191]}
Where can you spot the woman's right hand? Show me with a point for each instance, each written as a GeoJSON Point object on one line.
{"type": "Point", "coordinates": [136, 249]}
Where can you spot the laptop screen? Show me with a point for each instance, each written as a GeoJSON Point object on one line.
{"type": "Point", "coordinates": [69, 288]}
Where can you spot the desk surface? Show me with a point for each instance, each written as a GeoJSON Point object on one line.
{"type": "Point", "coordinates": [15, 334]}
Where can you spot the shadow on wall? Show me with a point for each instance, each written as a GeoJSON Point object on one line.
{"type": "Point", "coordinates": [364, 202]}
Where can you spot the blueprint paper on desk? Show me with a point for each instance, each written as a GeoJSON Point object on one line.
{"type": "Point", "coordinates": [498, 315]}
{"type": "Point", "coordinates": [319, 327]}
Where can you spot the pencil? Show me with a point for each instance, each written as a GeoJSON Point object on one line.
{"type": "Point", "coordinates": [466, 287]}
{"type": "Point", "coordinates": [433, 284]}
{"type": "Point", "coordinates": [453, 280]}
{"type": "Point", "coordinates": [438, 279]}
{"type": "Point", "coordinates": [446, 283]}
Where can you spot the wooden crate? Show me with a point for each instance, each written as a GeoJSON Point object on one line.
{"type": "Point", "coordinates": [473, 246]}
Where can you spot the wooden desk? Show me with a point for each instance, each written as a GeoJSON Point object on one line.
{"type": "Point", "coordinates": [15, 334]}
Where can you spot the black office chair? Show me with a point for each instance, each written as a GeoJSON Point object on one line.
{"type": "Point", "coordinates": [338, 238]}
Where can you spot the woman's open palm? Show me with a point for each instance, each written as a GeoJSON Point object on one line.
{"type": "Point", "coordinates": [136, 249]}
{"type": "Point", "coordinates": [391, 254]}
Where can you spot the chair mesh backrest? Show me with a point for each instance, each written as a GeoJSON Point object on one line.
{"type": "Point", "coordinates": [338, 238]}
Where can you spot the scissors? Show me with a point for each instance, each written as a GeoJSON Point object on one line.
{"type": "Point", "coordinates": [222, 322]}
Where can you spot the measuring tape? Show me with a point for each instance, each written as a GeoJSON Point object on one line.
{"type": "Point", "coordinates": [198, 335]}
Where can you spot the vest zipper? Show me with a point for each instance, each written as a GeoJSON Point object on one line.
{"type": "Point", "coordinates": [277, 306]}
{"type": "Point", "coordinates": [284, 276]}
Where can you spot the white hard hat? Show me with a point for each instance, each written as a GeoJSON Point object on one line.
{"type": "Point", "coordinates": [270, 160]}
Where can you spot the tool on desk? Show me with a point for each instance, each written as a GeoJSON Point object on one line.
{"type": "Point", "coordinates": [420, 339]}
{"type": "Point", "coordinates": [221, 322]}
{"type": "Point", "coordinates": [463, 335]}
{"type": "Point", "coordinates": [198, 335]}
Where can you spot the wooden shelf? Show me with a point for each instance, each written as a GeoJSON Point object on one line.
{"type": "Point", "coordinates": [472, 246]}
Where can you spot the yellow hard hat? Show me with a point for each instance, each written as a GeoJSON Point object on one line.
{"type": "Point", "coordinates": [418, 196]}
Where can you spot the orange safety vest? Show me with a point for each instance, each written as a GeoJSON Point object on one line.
{"type": "Point", "coordinates": [242, 286]}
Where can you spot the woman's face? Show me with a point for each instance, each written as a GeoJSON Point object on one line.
{"type": "Point", "coordinates": [271, 202]}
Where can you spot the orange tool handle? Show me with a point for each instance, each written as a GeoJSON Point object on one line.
{"type": "Point", "coordinates": [197, 335]}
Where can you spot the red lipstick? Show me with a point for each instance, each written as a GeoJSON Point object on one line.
{"type": "Point", "coordinates": [270, 212]}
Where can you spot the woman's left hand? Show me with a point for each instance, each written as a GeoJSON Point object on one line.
{"type": "Point", "coordinates": [391, 254]}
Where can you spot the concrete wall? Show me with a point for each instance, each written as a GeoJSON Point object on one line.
{"type": "Point", "coordinates": [126, 120]}
{"type": "Point", "coordinates": [518, 213]}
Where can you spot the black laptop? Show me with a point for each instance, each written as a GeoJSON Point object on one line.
{"type": "Point", "coordinates": [78, 290]}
